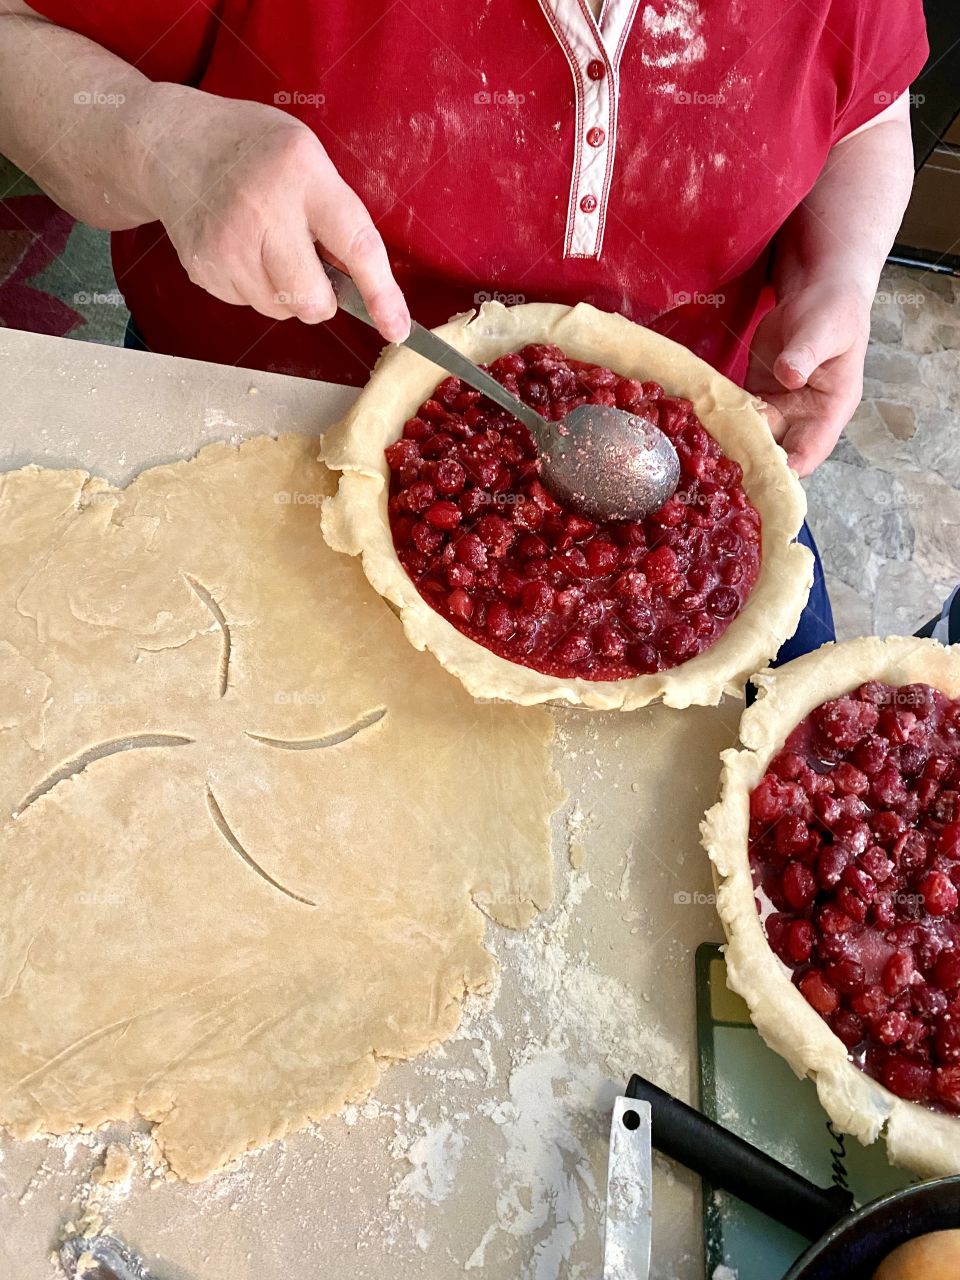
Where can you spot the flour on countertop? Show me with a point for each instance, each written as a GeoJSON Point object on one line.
{"type": "Point", "coordinates": [555, 1122]}
{"type": "Point", "coordinates": [109, 1181]}
{"type": "Point", "coordinates": [576, 820]}
{"type": "Point", "coordinates": [434, 1156]}
{"type": "Point", "coordinates": [216, 418]}
{"type": "Point", "coordinates": [581, 1035]}
{"type": "Point", "coordinates": [623, 889]}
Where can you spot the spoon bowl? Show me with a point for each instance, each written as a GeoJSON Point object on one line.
{"type": "Point", "coordinates": [609, 464]}
{"type": "Point", "coordinates": [605, 462]}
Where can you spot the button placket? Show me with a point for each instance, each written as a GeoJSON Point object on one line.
{"type": "Point", "coordinates": [593, 55]}
{"type": "Point", "coordinates": [587, 193]}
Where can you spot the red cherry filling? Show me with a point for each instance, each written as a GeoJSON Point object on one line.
{"type": "Point", "coordinates": [538, 583]}
{"type": "Point", "coordinates": [855, 851]}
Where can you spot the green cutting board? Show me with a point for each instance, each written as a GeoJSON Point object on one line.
{"type": "Point", "coordinates": [750, 1089]}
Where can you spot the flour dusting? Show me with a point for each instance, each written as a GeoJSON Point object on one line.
{"type": "Point", "coordinates": [561, 1089]}
{"type": "Point", "coordinates": [434, 1157]}
{"type": "Point", "coordinates": [671, 34]}
{"type": "Point", "coordinates": [545, 1093]}
{"type": "Point", "coordinates": [216, 418]}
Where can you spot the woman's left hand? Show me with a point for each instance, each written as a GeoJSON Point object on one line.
{"type": "Point", "coordinates": [806, 363]}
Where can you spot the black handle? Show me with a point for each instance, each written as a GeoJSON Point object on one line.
{"type": "Point", "coordinates": [704, 1147]}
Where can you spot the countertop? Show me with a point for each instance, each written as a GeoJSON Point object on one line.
{"type": "Point", "coordinates": [487, 1156]}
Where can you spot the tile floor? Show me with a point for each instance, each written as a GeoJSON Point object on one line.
{"type": "Point", "coordinates": [885, 507]}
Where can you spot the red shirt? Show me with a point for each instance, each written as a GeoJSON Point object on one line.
{"type": "Point", "coordinates": [517, 150]}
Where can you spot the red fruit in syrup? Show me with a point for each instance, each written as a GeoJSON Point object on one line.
{"type": "Point", "coordinates": [818, 992]}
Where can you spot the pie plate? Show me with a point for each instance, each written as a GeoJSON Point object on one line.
{"type": "Point", "coordinates": [356, 520]}
{"type": "Point", "coordinates": [917, 1136]}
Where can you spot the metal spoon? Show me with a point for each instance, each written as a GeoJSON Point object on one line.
{"type": "Point", "coordinates": [605, 462]}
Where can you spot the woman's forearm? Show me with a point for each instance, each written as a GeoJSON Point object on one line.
{"type": "Point", "coordinates": [245, 191]}
{"type": "Point", "coordinates": [845, 227]}
{"type": "Point", "coordinates": [76, 118]}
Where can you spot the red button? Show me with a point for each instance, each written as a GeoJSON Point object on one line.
{"type": "Point", "coordinates": [596, 70]}
{"type": "Point", "coordinates": [588, 204]}
{"type": "Point", "coordinates": [595, 137]}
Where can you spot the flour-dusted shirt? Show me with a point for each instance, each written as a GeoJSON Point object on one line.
{"type": "Point", "coordinates": [526, 151]}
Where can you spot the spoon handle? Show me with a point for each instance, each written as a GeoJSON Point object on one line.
{"type": "Point", "coordinates": [427, 344]}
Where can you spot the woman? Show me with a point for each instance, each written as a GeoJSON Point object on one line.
{"type": "Point", "coordinates": [732, 175]}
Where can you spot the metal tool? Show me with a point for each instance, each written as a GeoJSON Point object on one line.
{"type": "Point", "coordinates": [606, 462]}
{"type": "Point", "coordinates": [629, 1220]}
{"type": "Point", "coordinates": [100, 1258]}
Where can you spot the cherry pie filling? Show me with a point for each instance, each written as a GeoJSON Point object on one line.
{"type": "Point", "coordinates": [855, 851]}
{"type": "Point", "coordinates": [534, 581]}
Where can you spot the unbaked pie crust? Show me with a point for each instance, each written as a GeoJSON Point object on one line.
{"type": "Point", "coordinates": [918, 1138]}
{"type": "Point", "coordinates": [356, 522]}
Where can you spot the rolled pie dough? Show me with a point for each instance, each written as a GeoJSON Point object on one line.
{"type": "Point", "coordinates": [248, 835]}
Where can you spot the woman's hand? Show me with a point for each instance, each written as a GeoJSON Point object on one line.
{"type": "Point", "coordinates": [806, 362]}
{"type": "Point", "coordinates": [246, 193]}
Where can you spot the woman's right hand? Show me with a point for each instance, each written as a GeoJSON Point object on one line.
{"type": "Point", "coordinates": [247, 195]}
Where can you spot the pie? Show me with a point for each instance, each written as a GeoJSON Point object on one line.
{"type": "Point", "coordinates": [526, 599]}
{"type": "Point", "coordinates": [836, 844]}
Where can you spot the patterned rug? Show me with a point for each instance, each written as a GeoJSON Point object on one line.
{"type": "Point", "coordinates": [55, 273]}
